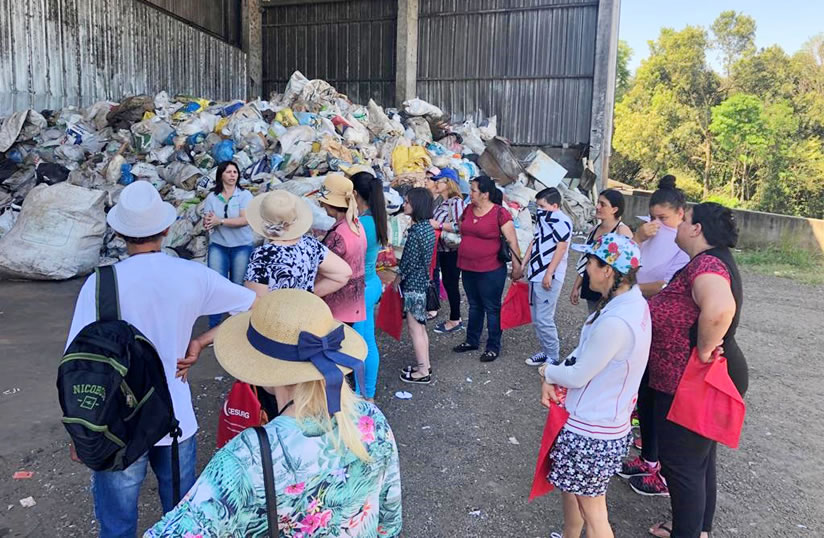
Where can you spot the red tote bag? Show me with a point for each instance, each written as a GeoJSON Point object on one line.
{"type": "Point", "coordinates": [390, 313]}
{"type": "Point", "coordinates": [555, 420]}
{"type": "Point", "coordinates": [241, 410]}
{"type": "Point", "coordinates": [515, 308]}
{"type": "Point", "coordinates": [707, 402]}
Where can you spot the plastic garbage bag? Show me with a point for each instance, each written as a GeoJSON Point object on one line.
{"type": "Point", "coordinates": [126, 176]}
{"type": "Point", "coordinates": [294, 88]}
{"type": "Point", "coordinates": [20, 127]}
{"type": "Point", "coordinates": [276, 129]}
{"type": "Point", "coordinates": [58, 235]}
{"type": "Point", "coordinates": [114, 169]}
{"type": "Point", "coordinates": [489, 128]}
{"type": "Point", "coordinates": [8, 216]}
{"type": "Point", "coordinates": [161, 155]}
{"type": "Point", "coordinates": [70, 154]}
{"type": "Point", "coordinates": [129, 111]}
{"type": "Point", "coordinates": [145, 171]}
{"type": "Point", "coordinates": [410, 159]}
{"type": "Point", "coordinates": [420, 129]}
{"type": "Point", "coordinates": [180, 233]}
{"type": "Point", "coordinates": [96, 114]}
{"type": "Point", "coordinates": [182, 175]}
{"type": "Point", "coordinates": [419, 107]}
{"type": "Point", "coordinates": [295, 136]}
{"type": "Point", "coordinates": [20, 184]}
{"type": "Point", "coordinates": [51, 173]}
{"type": "Point", "coordinates": [224, 151]}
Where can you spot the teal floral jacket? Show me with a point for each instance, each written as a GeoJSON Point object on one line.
{"type": "Point", "coordinates": [321, 490]}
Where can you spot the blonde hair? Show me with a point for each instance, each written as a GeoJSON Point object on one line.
{"type": "Point", "coordinates": [452, 189]}
{"type": "Point", "coordinates": [310, 404]}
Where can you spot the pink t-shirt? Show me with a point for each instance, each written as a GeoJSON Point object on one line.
{"type": "Point", "coordinates": [481, 239]}
{"type": "Point", "coordinates": [347, 304]}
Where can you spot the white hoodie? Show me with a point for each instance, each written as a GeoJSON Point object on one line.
{"type": "Point", "coordinates": [603, 373]}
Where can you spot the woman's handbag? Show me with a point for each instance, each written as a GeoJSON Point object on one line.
{"type": "Point", "coordinates": [707, 402]}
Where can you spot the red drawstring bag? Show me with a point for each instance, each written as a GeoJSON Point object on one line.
{"type": "Point", "coordinates": [555, 420]}
{"type": "Point", "coordinates": [241, 410]}
{"type": "Point", "coordinates": [390, 313]}
{"type": "Point", "coordinates": [515, 309]}
{"type": "Point", "coordinates": [707, 402]}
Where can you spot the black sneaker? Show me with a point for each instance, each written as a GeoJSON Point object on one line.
{"type": "Point", "coordinates": [489, 356]}
{"type": "Point", "coordinates": [425, 380]}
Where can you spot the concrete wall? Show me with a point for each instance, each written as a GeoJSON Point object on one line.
{"type": "Point", "coordinates": [55, 53]}
{"type": "Point", "coordinates": [756, 229]}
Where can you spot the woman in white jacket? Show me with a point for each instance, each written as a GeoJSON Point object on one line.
{"type": "Point", "coordinates": [602, 376]}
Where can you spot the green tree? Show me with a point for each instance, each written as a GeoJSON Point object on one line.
{"type": "Point", "coordinates": [622, 74]}
{"type": "Point", "coordinates": [743, 136]}
{"type": "Point", "coordinates": [809, 101]}
{"type": "Point", "coordinates": [768, 74]}
{"type": "Point", "coordinates": [734, 35]}
{"type": "Point", "coordinates": [663, 120]}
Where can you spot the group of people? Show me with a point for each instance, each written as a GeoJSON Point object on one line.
{"type": "Point", "coordinates": [302, 316]}
{"type": "Point", "coordinates": [655, 296]}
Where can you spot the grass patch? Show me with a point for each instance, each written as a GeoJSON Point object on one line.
{"type": "Point", "coordinates": [795, 264]}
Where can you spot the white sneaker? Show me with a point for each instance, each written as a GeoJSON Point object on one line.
{"type": "Point", "coordinates": [537, 359]}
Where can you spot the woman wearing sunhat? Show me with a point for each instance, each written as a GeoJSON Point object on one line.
{"type": "Point", "coordinates": [335, 462]}
{"type": "Point", "coordinates": [602, 376]}
{"type": "Point", "coordinates": [290, 258]}
{"type": "Point", "coordinates": [347, 240]}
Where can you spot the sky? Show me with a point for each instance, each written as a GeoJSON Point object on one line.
{"type": "Point", "coordinates": [788, 23]}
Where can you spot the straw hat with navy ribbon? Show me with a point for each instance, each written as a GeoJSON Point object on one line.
{"type": "Point", "coordinates": [290, 337]}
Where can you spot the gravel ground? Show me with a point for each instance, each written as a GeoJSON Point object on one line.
{"type": "Point", "coordinates": [468, 442]}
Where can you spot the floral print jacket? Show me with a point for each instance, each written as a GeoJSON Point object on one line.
{"type": "Point", "coordinates": [321, 491]}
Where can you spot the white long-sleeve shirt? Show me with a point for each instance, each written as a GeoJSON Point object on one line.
{"type": "Point", "coordinates": [603, 373]}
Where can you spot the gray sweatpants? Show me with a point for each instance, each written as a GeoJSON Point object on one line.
{"type": "Point", "coordinates": [542, 304]}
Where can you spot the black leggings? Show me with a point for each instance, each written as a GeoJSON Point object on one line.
{"type": "Point", "coordinates": [688, 464]}
{"type": "Point", "coordinates": [646, 419]}
{"type": "Point", "coordinates": [451, 275]}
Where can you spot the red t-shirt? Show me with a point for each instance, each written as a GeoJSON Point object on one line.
{"type": "Point", "coordinates": [480, 239]}
{"type": "Point", "coordinates": [673, 314]}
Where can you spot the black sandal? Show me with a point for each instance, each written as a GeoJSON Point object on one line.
{"type": "Point", "coordinates": [488, 356]}
{"type": "Point", "coordinates": [664, 526]}
{"type": "Point", "coordinates": [463, 347]}
{"type": "Point", "coordinates": [425, 380]}
{"type": "Point", "coordinates": [412, 368]}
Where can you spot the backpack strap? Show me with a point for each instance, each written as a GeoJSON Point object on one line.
{"type": "Point", "coordinates": [268, 480]}
{"type": "Point", "coordinates": [106, 296]}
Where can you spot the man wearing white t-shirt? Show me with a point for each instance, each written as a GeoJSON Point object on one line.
{"type": "Point", "coordinates": [162, 297]}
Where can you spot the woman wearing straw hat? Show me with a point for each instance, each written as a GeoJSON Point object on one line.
{"type": "Point", "coordinates": [335, 462]}
{"type": "Point", "coordinates": [347, 240]}
{"type": "Point", "coordinates": [289, 258]}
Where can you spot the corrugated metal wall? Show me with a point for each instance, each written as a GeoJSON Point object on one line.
{"type": "Point", "coordinates": [350, 44]}
{"type": "Point", "coordinates": [222, 18]}
{"type": "Point", "coordinates": [59, 52]}
{"type": "Point", "coordinates": [530, 62]}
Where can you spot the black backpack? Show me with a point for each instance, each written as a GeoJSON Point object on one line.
{"type": "Point", "coordinates": [113, 392]}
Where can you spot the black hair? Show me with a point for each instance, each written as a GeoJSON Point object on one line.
{"type": "Point", "coordinates": [717, 224]}
{"type": "Point", "coordinates": [143, 240]}
{"type": "Point", "coordinates": [616, 200]}
{"type": "Point", "coordinates": [620, 278]}
{"type": "Point", "coordinates": [370, 189]}
{"type": "Point", "coordinates": [550, 195]}
{"type": "Point", "coordinates": [422, 202]}
{"type": "Point", "coordinates": [487, 185]}
{"type": "Point", "coordinates": [668, 194]}
{"type": "Point", "coordinates": [219, 175]}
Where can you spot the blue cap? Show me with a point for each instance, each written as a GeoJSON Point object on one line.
{"type": "Point", "coordinates": [447, 173]}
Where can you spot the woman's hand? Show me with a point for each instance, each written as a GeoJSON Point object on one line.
{"type": "Point", "coordinates": [397, 282]}
{"type": "Point", "coordinates": [435, 224]}
{"type": "Point", "coordinates": [707, 357]}
{"type": "Point", "coordinates": [210, 220]}
{"type": "Point", "coordinates": [548, 394]}
{"type": "Point", "coordinates": [647, 230]}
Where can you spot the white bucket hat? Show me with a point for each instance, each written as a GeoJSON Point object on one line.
{"type": "Point", "coordinates": [141, 212]}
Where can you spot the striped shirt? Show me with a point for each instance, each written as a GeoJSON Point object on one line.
{"type": "Point", "coordinates": [551, 228]}
{"type": "Point", "coordinates": [449, 212]}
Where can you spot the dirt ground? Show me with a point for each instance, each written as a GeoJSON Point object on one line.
{"type": "Point", "coordinates": [462, 476]}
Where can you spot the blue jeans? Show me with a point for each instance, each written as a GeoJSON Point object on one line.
{"type": "Point", "coordinates": [366, 329]}
{"type": "Point", "coordinates": [542, 304]}
{"type": "Point", "coordinates": [230, 262]}
{"type": "Point", "coordinates": [116, 493]}
{"type": "Point", "coordinates": [483, 293]}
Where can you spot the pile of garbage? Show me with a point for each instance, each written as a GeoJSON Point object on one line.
{"type": "Point", "coordinates": [60, 171]}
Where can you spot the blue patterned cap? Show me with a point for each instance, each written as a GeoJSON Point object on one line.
{"type": "Point", "coordinates": [618, 251]}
